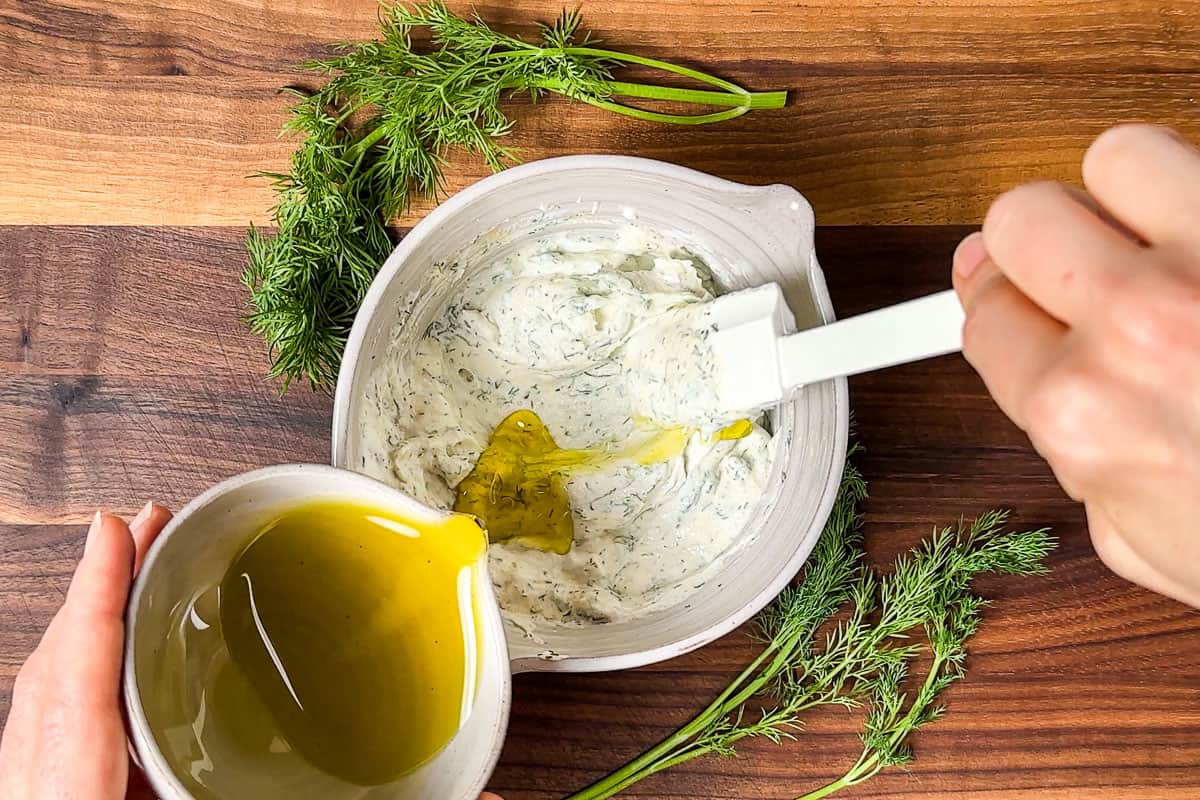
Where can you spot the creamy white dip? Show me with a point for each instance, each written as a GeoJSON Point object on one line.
{"type": "Point", "coordinates": [592, 333]}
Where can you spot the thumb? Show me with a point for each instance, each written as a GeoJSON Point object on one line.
{"type": "Point", "coordinates": [93, 617]}
{"type": "Point", "coordinates": [100, 586]}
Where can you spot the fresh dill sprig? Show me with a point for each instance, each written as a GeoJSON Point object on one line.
{"type": "Point", "coordinates": [862, 659]}
{"type": "Point", "coordinates": [377, 133]}
{"type": "Point", "coordinates": [950, 615]}
{"type": "Point", "coordinates": [787, 628]}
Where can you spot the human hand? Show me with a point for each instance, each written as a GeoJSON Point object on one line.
{"type": "Point", "coordinates": [65, 736]}
{"type": "Point", "coordinates": [1083, 318]}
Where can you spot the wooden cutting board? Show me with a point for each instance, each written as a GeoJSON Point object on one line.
{"type": "Point", "coordinates": [129, 129]}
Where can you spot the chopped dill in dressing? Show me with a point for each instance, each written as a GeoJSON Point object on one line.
{"type": "Point", "coordinates": [600, 338]}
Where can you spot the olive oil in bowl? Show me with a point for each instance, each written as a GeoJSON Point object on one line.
{"type": "Point", "coordinates": [338, 652]}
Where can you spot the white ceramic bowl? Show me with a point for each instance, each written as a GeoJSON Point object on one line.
{"type": "Point", "coordinates": [194, 551]}
{"type": "Point", "coordinates": [748, 235]}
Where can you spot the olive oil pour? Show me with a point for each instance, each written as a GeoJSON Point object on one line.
{"type": "Point", "coordinates": [517, 487]}
{"type": "Point", "coordinates": [513, 490]}
{"type": "Point", "coordinates": [337, 652]}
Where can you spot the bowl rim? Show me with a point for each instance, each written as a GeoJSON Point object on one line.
{"type": "Point", "coordinates": [454, 204]}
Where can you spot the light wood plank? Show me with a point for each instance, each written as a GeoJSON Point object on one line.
{"type": "Point", "coordinates": [144, 151]}
{"type": "Point", "coordinates": [866, 150]}
{"type": "Point", "coordinates": [742, 37]}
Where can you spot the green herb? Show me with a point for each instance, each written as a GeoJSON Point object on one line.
{"type": "Point", "coordinates": [862, 659]}
{"type": "Point", "coordinates": [929, 590]}
{"type": "Point", "coordinates": [376, 134]}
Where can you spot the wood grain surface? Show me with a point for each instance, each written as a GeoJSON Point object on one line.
{"type": "Point", "coordinates": [125, 373]}
{"type": "Point", "coordinates": [154, 113]}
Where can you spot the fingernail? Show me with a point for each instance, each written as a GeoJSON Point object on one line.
{"type": "Point", "coordinates": [970, 253]}
{"type": "Point", "coordinates": [93, 531]}
{"type": "Point", "coordinates": [143, 515]}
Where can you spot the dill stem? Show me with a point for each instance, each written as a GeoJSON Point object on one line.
{"type": "Point", "coordinates": [658, 116]}
{"type": "Point", "coordinates": [695, 750]}
{"type": "Point", "coordinates": [637, 777]}
{"type": "Point", "coordinates": [690, 750]}
{"type": "Point", "coordinates": [868, 764]}
{"type": "Point", "coordinates": [654, 63]}
{"type": "Point", "coordinates": [737, 104]}
{"type": "Point", "coordinates": [720, 706]}
{"type": "Point", "coordinates": [781, 651]}
{"type": "Point", "coordinates": [345, 115]}
{"type": "Point", "coordinates": [360, 148]}
{"type": "Point", "coordinates": [754, 100]}
{"type": "Point", "coordinates": [679, 747]}
{"type": "Point", "coordinates": [865, 768]}
{"type": "Point", "coordinates": [737, 99]}
{"type": "Point", "coordinates": [828, 789]}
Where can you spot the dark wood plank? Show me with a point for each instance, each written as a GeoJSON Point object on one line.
{"type": "Point", "coordinates": [130, 341]}
{"type": "Point", "coordinates": [36, 562]}
{"type": "Point", "coordinates": [741, 37]}
{"type": "Point", "coordinates": [866, 150]}
{"type": "Point", "coordinates": [125, 302]}
{"type": "Point", "coordinates": [1080, 686]}
{"type": "Point", "coordinates": [73, 444]}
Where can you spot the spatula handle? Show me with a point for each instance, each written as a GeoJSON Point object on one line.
{"type": "Point", "coordinates": [922, 328]}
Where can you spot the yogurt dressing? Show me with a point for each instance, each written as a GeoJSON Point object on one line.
{"type": "Point", "coordinates": [599, 335]}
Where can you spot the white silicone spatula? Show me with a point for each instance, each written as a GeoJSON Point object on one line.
{"type": "Point", "coordinates": [759, 365]}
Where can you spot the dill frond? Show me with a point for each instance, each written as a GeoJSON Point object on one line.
{"type": "Point", "coordinates": [377, 134]}
{"type": "Point", "coordinates": [844, 635]}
